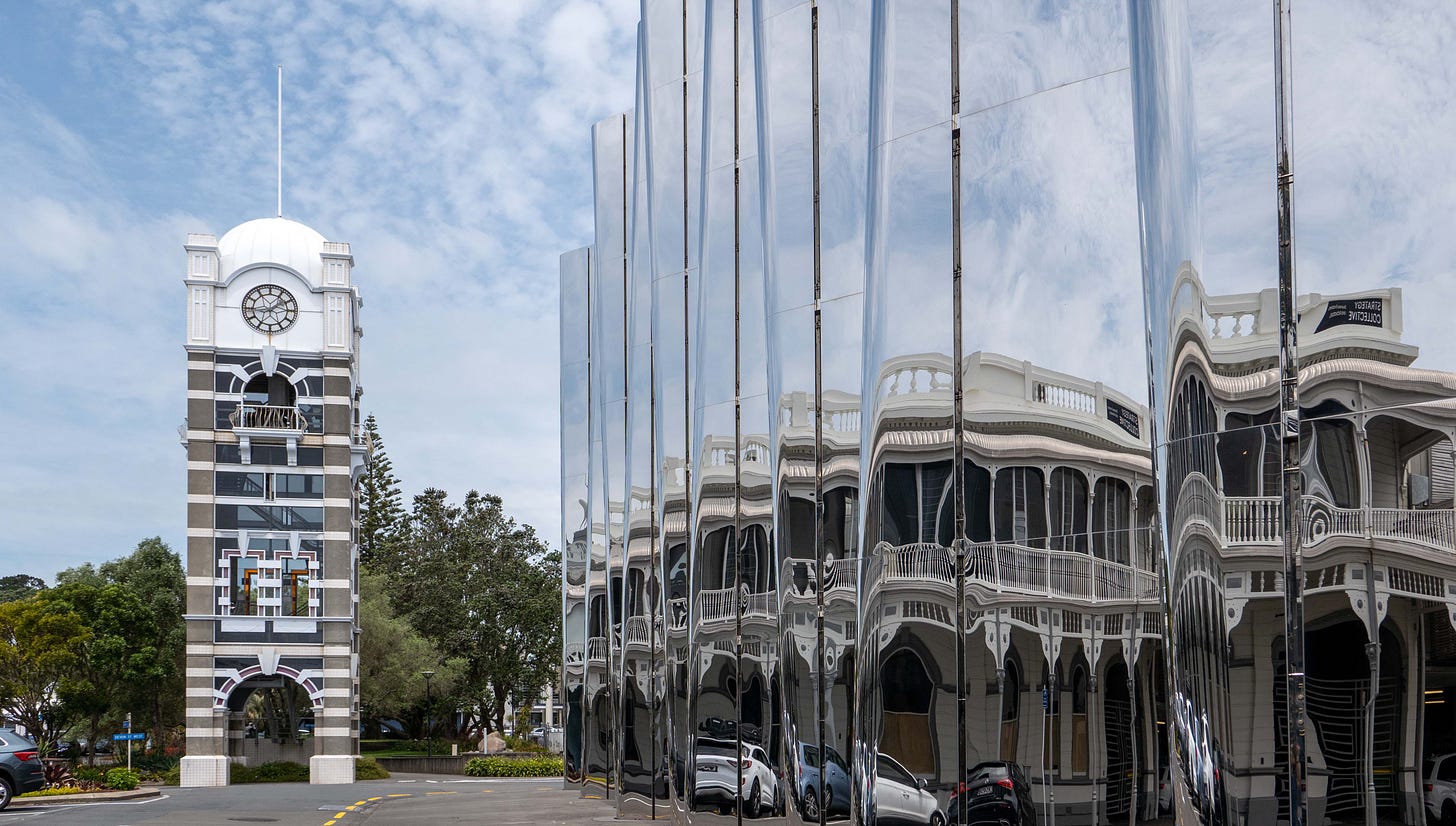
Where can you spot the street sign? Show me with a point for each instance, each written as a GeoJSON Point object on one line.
{"type": "Point", "coordinates": [135, 735]}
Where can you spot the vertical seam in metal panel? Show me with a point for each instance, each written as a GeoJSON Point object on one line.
{"type": "Point", "coordinates": [1289, 412]}
{"type": "Point", "coordinates": [820, 683]}
{"type": "Point", "coordinates": [957, 417]}
{"type": "Point", "coordinates": [737, 439]}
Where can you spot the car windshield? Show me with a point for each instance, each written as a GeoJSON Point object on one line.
{"type": "Point", "coordinates": [994, 770]}
{"type": "Point", "coordinates": [718, 749]}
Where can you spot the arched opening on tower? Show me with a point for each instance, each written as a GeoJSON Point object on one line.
{"type": "Point", "coordinates": [270, 718]}
{"type": "Point", "coordinates": [273, 391]}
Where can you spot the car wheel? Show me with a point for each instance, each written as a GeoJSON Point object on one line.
{"type": "Point", "coordinates": [5, 793]}
{"type": "Point", "coordinates": [811, 806]}
{"type": "Point", "coordinates": [755, 801]}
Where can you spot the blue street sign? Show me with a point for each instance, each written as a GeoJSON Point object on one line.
{"type": "Point", "coordinates": [135, 735]}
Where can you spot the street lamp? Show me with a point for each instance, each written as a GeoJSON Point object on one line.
{"type": "Point", "coordinates": [429, 732]}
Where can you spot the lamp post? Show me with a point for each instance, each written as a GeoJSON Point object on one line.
{"type": "Point", "coordinates": [429, 710]}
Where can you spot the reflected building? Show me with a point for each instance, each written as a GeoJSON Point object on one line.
{"type": "Point", "coordinates": [915, 470]}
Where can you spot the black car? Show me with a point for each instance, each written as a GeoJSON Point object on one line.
{"type": "Point", "coordinates": [993, 792]}
{"type": "Point", "coordinates": [20, 768]}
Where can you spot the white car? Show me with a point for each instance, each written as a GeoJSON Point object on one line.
{"type": "Point", "coordinates": [900, 797]}
{"type": "Point", "coordinates": [717, 782]}
{"type": "Point", "coordinates": [1440, 774]}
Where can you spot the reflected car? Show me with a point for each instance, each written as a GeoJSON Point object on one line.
{"type": "Point", "coordinates": [716, 779]}
{"type": "Point", "coordinates": [1440, 789]}
{"type": "Point", "coordinates": [995, 791]}
{"type": "Point", "coordinates": [21, 769]}
{"type": "Point", "coordinates": [901, 798]}
{"type": "Point", "coordinates": [836, 784]}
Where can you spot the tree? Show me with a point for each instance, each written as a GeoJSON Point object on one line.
{"type": "Point", "coordinates": [483, 589]}
{"type": "Point", "coordinates": [38, 649]}
{"type": "Point", "coordinates": [116, 659]}
{"type": "Point", "coordinates": [391, 656]}
{"type": "Point", "coordinates": [19, 586]}
{"type": "Point", "coordinates": [154, 573]}
{"type": "Point", "coordinates": [155, 690]}
{"type": "Point", "coordinates": [381, 509]}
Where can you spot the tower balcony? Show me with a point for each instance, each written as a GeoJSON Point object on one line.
{"type": "Point", "coordinates": [268, 420]}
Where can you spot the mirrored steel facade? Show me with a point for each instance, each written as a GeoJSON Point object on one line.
{"type": "Point", "coordinates": [942, 422]}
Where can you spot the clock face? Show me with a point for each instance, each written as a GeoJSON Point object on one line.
{"type": "Point", "coordinates": [270, 309]}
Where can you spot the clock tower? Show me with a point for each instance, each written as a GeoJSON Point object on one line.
{"type": "Point", "coordinates": [274, 452]}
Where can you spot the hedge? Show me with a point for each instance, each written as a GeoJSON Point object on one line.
{"type": "Point", "coordinates": [366, 768]}
{"type": "Point", "coordinates": [515, 767]}
{"type": "Point", "coordinates": [282, 771]}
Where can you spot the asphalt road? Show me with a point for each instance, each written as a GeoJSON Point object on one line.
{"type": "Point", "coordinates": [403, 799]}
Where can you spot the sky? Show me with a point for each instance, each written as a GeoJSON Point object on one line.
{"type": "Point", "coordinates": [446, 140]}
{"type": "Point", "coordinates": [449, 142]}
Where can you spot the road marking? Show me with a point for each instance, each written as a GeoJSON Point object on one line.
{"type": "Point", "coordinates": [330, 822]}
{"type": "Point", "coordinates": [442, 793]}
{"type": "Point", "coordinates": [359, 802]}
{"type": "Point", "coordinates": [339, 815]}
{"type": "Point", "coordinates": [351, 808]}
{"type": "Point", "coordinates": [372, 799]}
{"type": "Point", "coordinates": [400, 795]}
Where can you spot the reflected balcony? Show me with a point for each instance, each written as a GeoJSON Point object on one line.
{"type": "Point", "coordinates": [1014, 570]}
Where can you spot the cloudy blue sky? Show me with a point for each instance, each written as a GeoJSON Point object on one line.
{"type": "Point", "coordinates": [446, 139]}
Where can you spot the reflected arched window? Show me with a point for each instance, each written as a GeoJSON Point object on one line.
{"type": "Point", "coordinates": [1010, 708]}
{"type": "Point", "coordinates": [1079, 719]}
{"type": "Point", "coordinates": [1067, 501]}
{"type": "Point", "coordinates": [1020, 510]}
{"type": "Point", "coordinates": [1051, 741]}
{"type": "Point", "coordinates": [1111, 520]}
{"type": "Point", "coordinates": [907, 692]}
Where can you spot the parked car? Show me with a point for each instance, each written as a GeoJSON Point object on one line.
{"type": "Point", "coordinates": [995, 791]}
{"type": "Point", "coordinates": [836, 783]}
{"type": "Point", "coordinates": [21, 770]}
{"type": "Point", "coordinates": [1440, 774]}
{"type": "Point", "coordinates": [901, 797]}
{"type": "Point", "coordinates": [716, 779]}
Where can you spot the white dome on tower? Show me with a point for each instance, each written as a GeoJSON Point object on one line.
{"type": "Point", "coordinates": [276, 241]}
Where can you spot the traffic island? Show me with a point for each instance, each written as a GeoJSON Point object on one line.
{"type": "Point", "coordinates": [85, 797]}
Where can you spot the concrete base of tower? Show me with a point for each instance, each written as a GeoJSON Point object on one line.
{"type": "Point", "coordinates": [331, 768]}
{"type": "Point", "coordinates": [205, 771]}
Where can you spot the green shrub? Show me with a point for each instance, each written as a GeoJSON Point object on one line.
{"type": "Point", "coordinates": [282, 771]}
{"type": "Point", "coordinates": [173, 776]}
{"type": "Point", "coordinates": [238, 773]}
{"type": "Point", "coordinates": [522, 744]}
{"type": "Point", "coordinates": [366, 768]}
{"type": "Point", "coordinates": [514, 767]}
{"type": "Point", "coordinates": [89, 774]}
{"type": "Point", "coordinates": [55, 791]}
{"type": "Point", "coordinates": [122, 779]}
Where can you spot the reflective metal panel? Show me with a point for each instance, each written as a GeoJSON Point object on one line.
{"type": "Point", "coordinates": [1370, 148]}
{"type": "Point", "coordinates": [611, 146]}
{"type": "Point", "coordinates": [575, 518]}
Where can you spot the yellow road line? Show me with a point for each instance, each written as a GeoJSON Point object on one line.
{"type": "Point", "coordinates": [399, 795]}
{"type": "Point", "coordinates": [329, 823]}
{"type": "Point", "coordinates": [439, 792]}
{"type": "Point", "coordinates": [359, 803]}
{"type": "Point", "coordinates": [339, 815]}
{"type": "Point", "coordinates": [372, 799]}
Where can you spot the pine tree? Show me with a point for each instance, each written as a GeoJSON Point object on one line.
{"type": "Point", "coordinates": [381, 508]}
